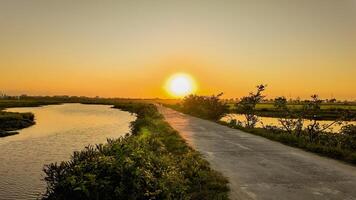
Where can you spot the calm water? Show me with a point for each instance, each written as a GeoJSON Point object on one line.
{"type": "Point", "coordinates": [59, 130]}
{"type": "Point", "coordinates": [274, 121]}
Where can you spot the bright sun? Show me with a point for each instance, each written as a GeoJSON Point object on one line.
{"type": "Point", "coordinates": [180, 85]}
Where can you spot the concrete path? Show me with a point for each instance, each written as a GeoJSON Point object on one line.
{"type": "Point", "coordinates": [258, 168]}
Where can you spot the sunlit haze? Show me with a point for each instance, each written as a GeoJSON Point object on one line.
{"type": "Point", "coordinates": [131, 48]}
{"type": "Point", "coordinates": [180, 85]}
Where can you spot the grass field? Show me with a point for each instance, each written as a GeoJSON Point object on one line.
{"type": "Point", "coordinates": [270, 106]}
{"type": "Point", "coordinates": [327, 111]}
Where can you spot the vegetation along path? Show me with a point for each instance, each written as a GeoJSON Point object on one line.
{"type": "Point", "coordinates": [258, 168]}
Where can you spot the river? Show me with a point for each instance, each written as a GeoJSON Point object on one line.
{"type": "Point", "coordinates": [59, 130]}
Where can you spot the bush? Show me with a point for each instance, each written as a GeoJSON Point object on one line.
{"type": "Point", "coordinates": [207, 107]}
{"type": "Point", "coordinates": [349, 133]}
{"type": "Point", "coordinates": [153, 162]}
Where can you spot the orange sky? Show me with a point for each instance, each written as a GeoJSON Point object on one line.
{"type": "Point", "coordinates": [129, 49]}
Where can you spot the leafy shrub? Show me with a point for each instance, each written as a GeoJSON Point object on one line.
{"type": "Point", "coordinates": [153, 162]}
{"type": "Point", "coordinates": [207, 107]}
{"type": "Point", "coordinates": [247, 105]}
{"type": "Point", "coordinates": [349, 133]}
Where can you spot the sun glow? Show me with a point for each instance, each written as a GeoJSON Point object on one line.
{"type": "Point", "coordinates": [180, 85]}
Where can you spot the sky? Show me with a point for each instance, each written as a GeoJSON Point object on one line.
{"type": "Point", "coordinates": [130, 48]}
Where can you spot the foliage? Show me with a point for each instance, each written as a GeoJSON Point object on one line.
{"type": "Point", "coordinates": [290, 121]}
{"type": "Point", "coordinates": [247, 105]}
{"type": "Point", "coordinates": [153, 162]}
{"type": "Point", "coordinates": [328, 111]}
{"type": "Point", "coordinates": [10, 121]}
{"type": "Point", "coordinates": [314, 137]}
{"type": "Point", "coordinates": [207, 107]}
{"type": "Point", "coordinates": [349, 134]}
{"type": "Point", "coordinates": [312, 108]}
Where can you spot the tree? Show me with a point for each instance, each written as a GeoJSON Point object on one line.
{"type": "Point", "coordinates": [247, 105]}
{"type": "Point", "coordinates": [207, 107]}
{"type": "Point", "coordinates": [311, 110]}
{"type": "Point", "coordinates": [291, 122]}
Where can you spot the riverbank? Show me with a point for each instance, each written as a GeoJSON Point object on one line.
{"type": "Point", "coordinates": [154, 162]}
{"type": "Point", "coordinates": [7, 133]}
{"type": "Point", "coordinates": [12, 121]}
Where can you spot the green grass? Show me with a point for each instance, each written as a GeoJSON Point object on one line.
{"type": "Point", "coordinates": [25, 103]}
{"type": "Point", "coordinates": [40, 101]}
{"type": "Point", "coordinates": [327, 111]}
{"type": "Point", "coordinates": [154, 162]}
{"type": "Point", "coordinates": [299, 106]}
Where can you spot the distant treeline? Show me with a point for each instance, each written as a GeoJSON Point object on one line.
{"type": "Point", "coordinates": [32, 101]}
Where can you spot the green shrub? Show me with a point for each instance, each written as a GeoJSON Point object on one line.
{"type": "Point", "coordinates": [207, 107]}
{"type": "Point", "coordinates": [154, 162]}
{"type": "Point", "coordinates": [349, 139]}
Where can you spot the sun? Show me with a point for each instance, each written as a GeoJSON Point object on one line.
{"type": "Point", "coordinates": [180, 85]}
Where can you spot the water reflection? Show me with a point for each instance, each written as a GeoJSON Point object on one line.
{"type": "Point", "coordinates": [274, 121]}
{"type": "Point", "coordinates": [59, 130]}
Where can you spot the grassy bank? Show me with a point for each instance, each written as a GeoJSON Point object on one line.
{"type": "Point", "coordinates": [338, 146]}
{"type": "Point", "coordinates": [30, 101]}
{"type": "Point", "coordinates": [154, 162]}
{"type": "Point", "coordinates": [26, 103]}
{"type": "Point", "coordinates": [11, 121]}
